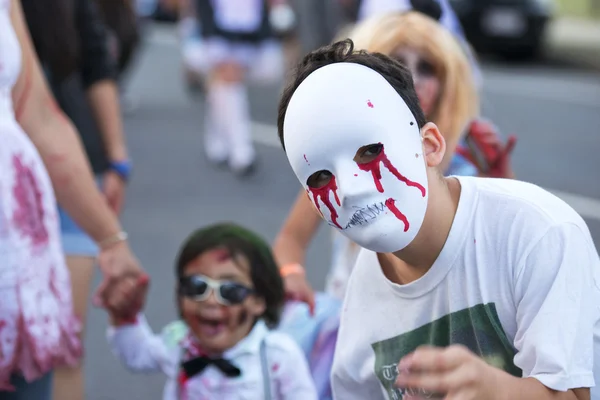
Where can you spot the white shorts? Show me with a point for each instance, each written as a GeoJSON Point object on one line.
{"type": "Point", "coordinates": [264, 60]}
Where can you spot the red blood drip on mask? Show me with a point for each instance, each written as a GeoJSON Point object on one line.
{"type": "Point", "coordinates": [375, 169]}
{"type": "Point", "coordinates": [323, 194]}
{"type": "Point", "coordinates": [370, 104]}
{"type": "Point", "coordinates": [306, 159]}
{"type": "Point", "coordinates": [391, 205]}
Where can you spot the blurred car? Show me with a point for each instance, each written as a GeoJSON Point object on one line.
{"type": "Point", "coordinates": [513, 29]}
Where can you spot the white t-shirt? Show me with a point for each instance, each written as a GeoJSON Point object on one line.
{"type": "Point", "coordinates": [141, 350]}
{"type": "Point", "coordinates": [516, 282]}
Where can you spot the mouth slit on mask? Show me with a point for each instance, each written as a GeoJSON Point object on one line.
{"type": "Point", "coordinates": [364, 215]}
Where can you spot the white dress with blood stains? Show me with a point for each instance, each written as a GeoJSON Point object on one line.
{"type": "Point", "coordinates": [37, 328]}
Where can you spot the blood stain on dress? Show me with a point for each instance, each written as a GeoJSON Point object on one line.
{"type": "Point", "coordinates": [28, 215]}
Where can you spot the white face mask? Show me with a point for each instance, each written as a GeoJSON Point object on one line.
{"type": "Point", "coordinates": [377, 195]}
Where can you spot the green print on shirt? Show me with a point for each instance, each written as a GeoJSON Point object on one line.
{"type": "Point", "coordinates": [477, 328]}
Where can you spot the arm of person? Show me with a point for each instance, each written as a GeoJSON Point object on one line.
{"type": "Point", "coordinates": [290, 370]}
{"type": "Point", "coordinates": [139, 349]}
{"type": "Point", "coordinates": [290, 248]}
{"type": "Point", "coordinates": [98, 73]}
{"type": "Point", "coordinates": [60, 148]}
{"type": "Point", "coordinates": [557, 297]}
{"type": "Point", "coordinates": [57, 142]}
{"type": "Point", "coordinates": [296, 233]}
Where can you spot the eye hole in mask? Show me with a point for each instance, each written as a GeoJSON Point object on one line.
{"type": "Point", "coordinates": [368, 153]}
{"type": "Point", "coordinates": [364, 155]}
{"type": "Point", "coordinates": [319, 179]}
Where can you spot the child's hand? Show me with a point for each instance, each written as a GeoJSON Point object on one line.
{"type": "Point", "coordinates": [126, 298]}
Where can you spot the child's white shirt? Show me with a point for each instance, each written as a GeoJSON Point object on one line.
{"type": "Point", "coordinates": [140, 350]}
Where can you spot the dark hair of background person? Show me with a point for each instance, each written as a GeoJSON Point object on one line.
{"type": "Point", "coordinates": [121, 19]}
{"type": "Point", "coordinates": [54, 34]}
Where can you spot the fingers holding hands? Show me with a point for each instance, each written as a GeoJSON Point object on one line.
{"type": "Point", "coordinates": [125, 297]}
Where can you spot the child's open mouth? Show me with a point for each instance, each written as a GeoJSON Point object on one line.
{"type": "Point", "coordinates": [210, 327]}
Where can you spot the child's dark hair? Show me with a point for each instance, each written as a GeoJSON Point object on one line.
{"type": "Point", "coordinates": [239, 241]}
{"type": "Point", "coordinates": [343, 51]}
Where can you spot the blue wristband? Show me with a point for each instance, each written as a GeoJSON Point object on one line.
{"type": "Point", "coordinates": [122, 168]}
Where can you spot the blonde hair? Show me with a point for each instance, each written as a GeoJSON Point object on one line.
{"type": "Point", "coordinates": [458, 101]}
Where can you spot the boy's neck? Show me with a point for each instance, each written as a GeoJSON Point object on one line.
{"type": "Point", "coordinates": [412, 262]}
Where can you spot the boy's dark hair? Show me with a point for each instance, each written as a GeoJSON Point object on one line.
{"type": "Point", "coordinates": [239, 241]}
{"type": "Point", "coordinates": [343, 51]}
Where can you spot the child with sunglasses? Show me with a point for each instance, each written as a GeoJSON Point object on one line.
{"type": "Point", "coordinates": [230, 295]}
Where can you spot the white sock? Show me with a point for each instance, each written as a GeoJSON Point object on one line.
{"type": "Point", "coordinates": [215, 141]}
{"type": "Point", "coordinates": [232, 115]}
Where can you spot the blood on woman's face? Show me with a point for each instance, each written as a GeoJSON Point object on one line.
{"type": "Point", "coordinates": [425, 76]}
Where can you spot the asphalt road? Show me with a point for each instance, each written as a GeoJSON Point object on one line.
{"type": "Point", "coordinates": [555, 111]}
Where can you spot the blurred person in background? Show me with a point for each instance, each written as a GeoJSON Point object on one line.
{"type": "Point", "coordinates": [121, 19]}
{"type": "Point", "coordinates": [373, 8]}
{"type": "Point", "coordinates": [41, 155]}
{"type": "Point", "coordinates": [281, 15]}
{"type": "Point", "coordinates": [445, 83]}
{"type": "Point", "coordinates": [238, 45]}
{"type": "Point", "coordinates": [71, 43]}
{"type": "Point", "coordinates": [367, 9]}
{"type": "Point", "coordinates": [190, 43]}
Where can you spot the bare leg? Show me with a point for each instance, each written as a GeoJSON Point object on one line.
{"type": "Point", "coordinates": [229, 110]}
{"type": "Point", "coordinates": [69, 383]}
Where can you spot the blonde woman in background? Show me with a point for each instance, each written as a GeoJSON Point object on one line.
{"type": "Point", "coordinates": [445, 83]}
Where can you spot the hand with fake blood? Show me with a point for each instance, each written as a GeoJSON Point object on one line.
{"type": "Point", "coordinates": [497, 155]}
{"type": "Point", "coordinates": [125, 299]}
{"type": "Point", "coordinates": [116, 262]}
{"type": "Point", "coordinates": [454, 372]}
